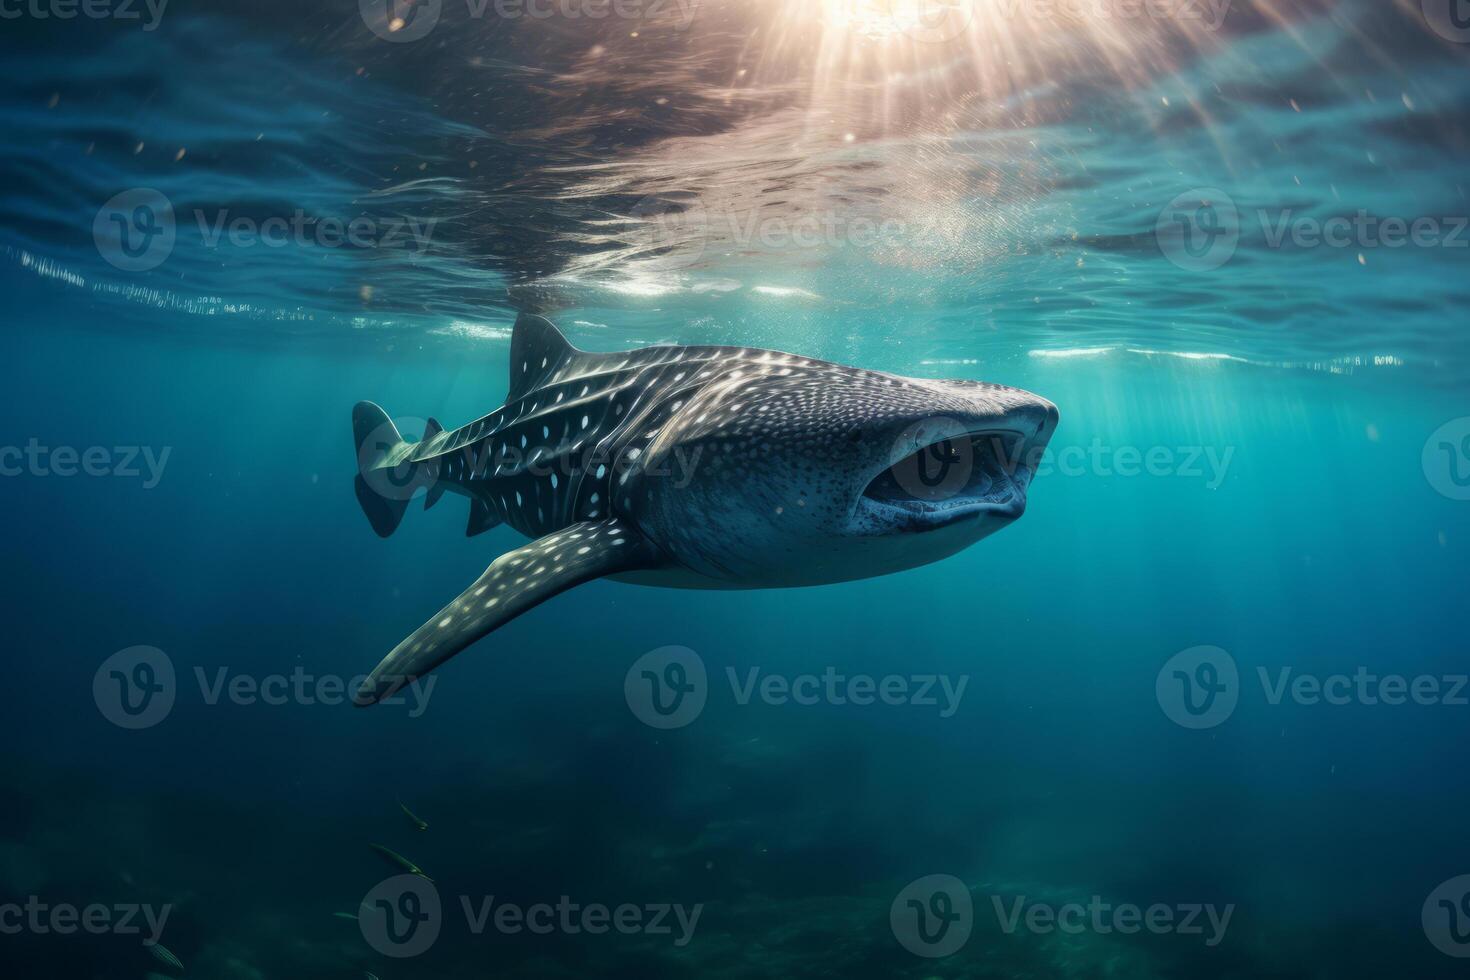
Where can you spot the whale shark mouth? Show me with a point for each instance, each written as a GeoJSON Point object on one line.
{"type": "Point", "coordinates": [951, 480]}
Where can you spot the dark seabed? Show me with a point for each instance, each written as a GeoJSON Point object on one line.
{"type": "Point", "coordinates": [1226, 239]}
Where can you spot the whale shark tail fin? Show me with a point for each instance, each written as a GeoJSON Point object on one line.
{"type": "Point", "coordinates": [378, 442]}
{"type": "Point", "coordinates": [537, 351]}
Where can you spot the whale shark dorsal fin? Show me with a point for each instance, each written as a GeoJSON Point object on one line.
{"type": "Point", "coordinates": [537, 351]}
{"type": "Point", "coordinates": [517, 581]}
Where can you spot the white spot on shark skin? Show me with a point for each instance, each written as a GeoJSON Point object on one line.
{"type": "Point", "coordinates": [523, 442]}
{"type": "Point", "coordinates": [445, 621]}
{"type": "Point", "coordinates": [553, 481]}
{"type": "Point", "coordinates": [601, 472]}
{"type": "Point", "coordinates": [585, 421]}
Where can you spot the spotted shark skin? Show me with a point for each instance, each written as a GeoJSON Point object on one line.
{"type": "Point", "coordinates": [696, 467]}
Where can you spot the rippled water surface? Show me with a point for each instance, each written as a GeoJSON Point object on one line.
{"type": "Point", "coordinates": [1226, 239]}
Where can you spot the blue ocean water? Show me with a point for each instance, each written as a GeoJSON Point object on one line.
{"type": "Point", "coordinates": [1211, 680]}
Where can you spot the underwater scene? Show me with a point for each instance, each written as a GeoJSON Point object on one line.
{"type": "Point", "coordinates": [735, 489]}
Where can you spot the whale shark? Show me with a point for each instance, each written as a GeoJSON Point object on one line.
{"type": "Point", "coordinates": [697, 467]}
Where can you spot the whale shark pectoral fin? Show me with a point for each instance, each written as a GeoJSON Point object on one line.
{"type": "Point", "coordinates": [482, 518]}
{"type": "Point", "coordinates": [514, 583]}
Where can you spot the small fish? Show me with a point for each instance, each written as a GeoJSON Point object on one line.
{"type": "Point", "coordinates": [345, 915]}
{"type": "Point", "coordinates": [400, 862]}
{"type": "Point", "coordinates": [369, 976]}
{"type": "Point", "coordinates": [417, 823]}
{"type": "Point", "coordinates": [169, 961]}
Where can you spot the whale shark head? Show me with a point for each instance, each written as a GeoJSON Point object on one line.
{"type": "Point", "coordinates": [822, 473]}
